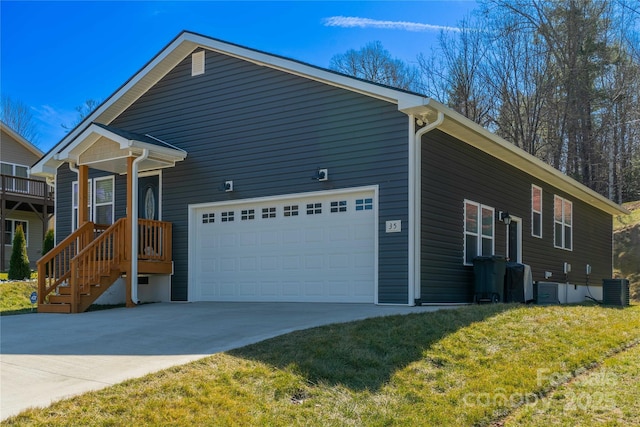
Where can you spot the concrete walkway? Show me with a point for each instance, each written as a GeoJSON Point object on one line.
{"type": "Point", "coordinates": [47, 357]}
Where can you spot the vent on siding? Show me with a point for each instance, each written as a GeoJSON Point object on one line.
{"type": "Point", "coordinates": [197, 63]}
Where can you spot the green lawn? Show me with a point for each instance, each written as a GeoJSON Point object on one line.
{"type": "Point", "coordinates": [14, 297]}
{"type": "Point", "coordinates": [477, 365]}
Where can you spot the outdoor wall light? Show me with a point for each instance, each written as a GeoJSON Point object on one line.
{"type": "Point", "coordinates": [226, 186]}
{"type": "Point", "coordinates": [505, 217]}
{"type": "Point", "coordinates": [321, 175]}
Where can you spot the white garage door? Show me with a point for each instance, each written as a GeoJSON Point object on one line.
{"type": "Point", "coordinates": [315, 247]}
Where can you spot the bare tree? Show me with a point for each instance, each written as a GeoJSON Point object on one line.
{"type": "Point", "coordinates": [83, 111]}
{"type": "Point", "coordinates": [18, 117]}
{"type": "Point", "coordinates": [558, 78]}
{"type": "Point", "coordinates": [374, 63]}
{"type": "Point", "coordinates": [456, 76]}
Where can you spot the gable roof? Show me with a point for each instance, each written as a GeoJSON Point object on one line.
{"type": "Point", "coordinates": [412, 104]}
{"type": "Point", "coordinates": [21, 140]}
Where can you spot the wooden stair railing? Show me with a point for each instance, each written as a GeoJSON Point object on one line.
{"type": "Point", "coordinates": [56, 266]}
{"type": "Point", "coordinates": [97, 266]}
{"type": "Point", "coordinates": [85, 264]}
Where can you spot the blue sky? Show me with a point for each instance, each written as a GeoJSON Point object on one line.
{"type": "Point", "coordinates": [55, 55]}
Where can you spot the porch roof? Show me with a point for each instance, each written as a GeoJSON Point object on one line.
{"type": "Point", "coordinates": [107, 148]}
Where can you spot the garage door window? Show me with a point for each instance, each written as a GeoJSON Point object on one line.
{"type": "Point", "coordinates": [268, 212]}
{"type": "Point", "coordinates": [208, 218]}
{"type": "Point", "coordinates": [314, 208]}
{"type": "Point", "coordinates": [247, 214]}
{"type": "Point", "coordinates": [227, 216]}
{"type": "Point", "coordinates": [291, 210]}
{"type": "Point", "coordinates": [340, 206]}
{"type": "Point", "coordinates": [364, 204]}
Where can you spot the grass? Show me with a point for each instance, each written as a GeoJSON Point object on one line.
{"type": "Point", "coordinates": [14, 297]}
{"type": "Point", "coordinates": [606, 396]}
{"type": "Point", "coordinates": [453, 367]}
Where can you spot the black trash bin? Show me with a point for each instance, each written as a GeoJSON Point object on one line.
{"type": "Point", "coordinates": [514, 282]}
{"type": "Point", "coordinates": [488, 278]}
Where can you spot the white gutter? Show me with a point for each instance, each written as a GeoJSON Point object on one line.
{"type": "Point", "coordinates": [134, 225]}
{"type": "Point", "coordinates": [415, 201]}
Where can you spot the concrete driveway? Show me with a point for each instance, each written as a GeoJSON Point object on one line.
{"type": "Point", "coordinates": [47, 357]}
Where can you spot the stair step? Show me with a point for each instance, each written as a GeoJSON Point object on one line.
{"type": "Point", "coordinates": [59, 299]}
{"type": "Point", "coordinates": [64, 290]}
{"type": "Point", "coordinates": [54, 308]}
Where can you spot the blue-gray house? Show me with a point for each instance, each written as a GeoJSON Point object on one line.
{"type": "Point", "coordinates": [222, 173]}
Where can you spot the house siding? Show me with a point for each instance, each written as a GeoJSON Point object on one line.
{"type": "Point", "coordinates": [34, 238]}
{"type": "Point", "coordinates": [269, 131]}
{"type": "Point", "coordinates": [453, 171]}
{"type": "Point", "coordinates": [14, 152]}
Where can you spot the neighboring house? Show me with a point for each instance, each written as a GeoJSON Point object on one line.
{"type": "Point", "coordinates": [283, 181]}
{"type": "Point", "coordinates": [24, 200]}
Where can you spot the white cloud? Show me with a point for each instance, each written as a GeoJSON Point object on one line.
{"type": "Point", "coordinates": [355, 22]}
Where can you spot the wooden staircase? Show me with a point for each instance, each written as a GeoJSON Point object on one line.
{"type": "Point", "coordinates": [84, 265]}
{"type": "Point", "coordinates": [77, 271]}
{"type": "Point", "coordinates": [62, 301]}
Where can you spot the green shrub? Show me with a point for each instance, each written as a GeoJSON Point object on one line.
{"type": "Point", "coordinates": [19, 264]}
{"type": "Point", "coordinates": [49, 242]}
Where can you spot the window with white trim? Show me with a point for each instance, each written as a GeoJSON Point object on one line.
{"type": "Point", "coordinates": [100, 203]}
{"type": "Point", "coordinates": [479, 231]}
{"type": "Point", "coordinates": [10, 227]}
{"type": "Point", "coordinates": [536, 211]}
{"type": "Point", "coordinates": [563, 223]}
{"type": "Point", "coordinates": [227, 216]}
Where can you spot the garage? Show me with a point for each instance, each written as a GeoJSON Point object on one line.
{"type": "Point", "coordinates": [308, 247]}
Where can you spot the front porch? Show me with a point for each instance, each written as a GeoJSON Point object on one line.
{"type": "Point", "coordinates": [93, 257]}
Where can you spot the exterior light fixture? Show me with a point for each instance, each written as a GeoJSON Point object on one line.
{"type": "Point", "coordinates": [226, 186]}
{"type": "Point", "coordinates": [321, 175]}
{"type": "Point", "coordinates": [505, 217]}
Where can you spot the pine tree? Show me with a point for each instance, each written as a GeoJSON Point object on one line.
{"type": "Point", "coordinates": [19, 264]}
{"type": "Point", "coordinates": [49, 242]}
{"type": "Point", "coordinates": [47, 245]}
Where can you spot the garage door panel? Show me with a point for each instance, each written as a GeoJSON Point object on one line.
{"type": "Point", "coordinates": [325, 253]}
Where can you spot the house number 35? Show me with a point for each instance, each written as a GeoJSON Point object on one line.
{"type": "Point", "coordinates": [394, 226]}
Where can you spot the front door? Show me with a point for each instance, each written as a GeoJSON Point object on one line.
{"type": "Point", "coordinates": [149, 197]}
{"type": "Point", "coordinates": [514, 239]}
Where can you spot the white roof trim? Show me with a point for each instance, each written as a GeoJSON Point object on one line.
{"type": "Point", "coordinates": [73, 151]}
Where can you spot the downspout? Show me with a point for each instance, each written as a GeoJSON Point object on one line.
{"type": "Point", "coordinates": [134, 225]}
{"type": "Point", "coordinates": [415, 201]}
